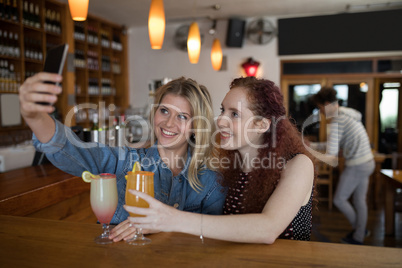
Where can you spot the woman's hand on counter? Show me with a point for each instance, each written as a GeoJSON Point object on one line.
{"type": "Point", "coordinates": [125, 231]}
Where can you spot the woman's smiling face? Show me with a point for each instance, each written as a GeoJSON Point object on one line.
{"type": "Point", "coordinates": [173, 122]}
{"type": "Point", "coordinates": [238, 125]}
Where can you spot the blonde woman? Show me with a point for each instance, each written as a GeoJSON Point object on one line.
{"type": "Point", "coordinates": [182, 121]}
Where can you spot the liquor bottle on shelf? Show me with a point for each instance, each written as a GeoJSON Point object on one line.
{"type": "Point", "coordinates": [1, 9]}
{"type": "Point", "coordinates": [3, 75]}
{"type": "Point", "coordinates": [104, 38]}
{"type": "Point", "coordinates": [15, 13]}
{"type": "Point", "coordinates": [95, 122]}
{"type": "Point", "coordinates": [106, 87]}
{"type": "Point", "coordinates": [116, 66]}
{"type": "Point", "coordinates": [92, 60]}
{"type": "Point", "coordinates": [25, 13]}
{"type": "Point", "coordinates": [79, 33]}
{"type": "Point", "coordinates": [93, 35]}
{"type": "Point", "coordinates": [79, 59]}
{"type": "Point", "coordinates": [93, 87]}
{"type": "Point", "coordinates": [17, 52]}
{"type": "Point", "coordinates": [1, 43]}
{"type": "Point", "coordinates": [47, 20]}
{"type": "Point", "coordinates": [7, 10]}
{"type": "Point", "coordinates": [116, 43]}
{"type": "Point", "coordinates": [4, 43]}
{"type": "Point", "coordinates": [95, 128]}
{"type": "Point", "coordinates": [37, 17]}
{"type": "Point", "coordinates": [31, 15]}
{"type": "Point", "coordinates": [105, 63]}
{"type": "Point", "coordinates": [57, 23]}
{"type": "Point", "coordinates": [12, 83]}
{"type": "Point", "coordinates": [77, 89]}
{"type": "Point", "coordinates": [53, 21]}
{"type": "Point", "coordinates": [11, 44]}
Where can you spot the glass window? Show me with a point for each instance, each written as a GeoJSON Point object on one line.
{"type": "Point", "coordinates": [389, 109]}
{"type": "Point", "coordinates": [353, 95]}
{"type": "Point", "coordinates": [301, 107]}
{"type": "Point", "coordinates": [388, 119]}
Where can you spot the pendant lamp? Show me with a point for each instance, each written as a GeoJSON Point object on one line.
{"type": "Point", "coordinates": [216, 55]}
{"type": "Point", "coordinates": [156, 24]}
{"type": "Point", "coordinates": [78, 9]}
{"type": "Point", "coordinates": [194, 43]}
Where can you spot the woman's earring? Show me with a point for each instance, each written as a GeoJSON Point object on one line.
{"type": "Point", "coordinates": [193, 136]}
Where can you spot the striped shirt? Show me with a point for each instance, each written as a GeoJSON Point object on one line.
{"type": "Point", "coordinates": [346, 131]}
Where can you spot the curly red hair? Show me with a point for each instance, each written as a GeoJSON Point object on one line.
{"type": "Point", "coordinates": [283, 141]}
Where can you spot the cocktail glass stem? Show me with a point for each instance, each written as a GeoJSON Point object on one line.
{"type": "Point", "coordinates": [104, 237]}
{"type": "Point", "coordinates": [139, 239]}
{"type": "Point", "coordinates": [106, 230]}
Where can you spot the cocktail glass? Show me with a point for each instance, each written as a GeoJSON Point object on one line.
{"type": "Point", "coordinates": [142, 181]}
{"type": "Point", "coordinates": [104, 203]}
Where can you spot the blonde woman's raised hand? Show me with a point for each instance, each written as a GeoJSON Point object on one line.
{"type": "Point", "coordinates": [34, 91]}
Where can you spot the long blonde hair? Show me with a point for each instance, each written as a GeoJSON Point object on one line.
{"type": "Point", "coordinates": [202, 120]}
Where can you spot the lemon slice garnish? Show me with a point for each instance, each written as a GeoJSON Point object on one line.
{"type": "Point", "coordinates": [88, 176]}
{"type": "Point", "coordinates": [136, 167]}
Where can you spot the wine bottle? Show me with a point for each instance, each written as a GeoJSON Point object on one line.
{"type": "Point", "coordinates": [95, 122]}
{"type": "Point", "coordinates": [17, 52]}
{"type": "Point", "coordinates": [1, 9]}
{"type": "Point", "coordinates": [16, 16]}
{"type": "Point", "coordinates": [37, 18]}
{"type": "Point", "coordinates": [1, 43]}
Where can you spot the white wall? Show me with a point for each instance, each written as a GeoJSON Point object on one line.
{"type": "Point", "coordinates": [146, 64]}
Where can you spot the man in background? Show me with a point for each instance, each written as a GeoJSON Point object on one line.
{"type": "Point", "coordinates": [347, 132]}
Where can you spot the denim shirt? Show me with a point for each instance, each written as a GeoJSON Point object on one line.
{"type": "Point", "coordinates": [73, 156]}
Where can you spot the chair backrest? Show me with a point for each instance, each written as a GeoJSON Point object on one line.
{"type": "Point", "coordinates": [396, 160]}
{"type": "Point", "coordinates": [323, 170]}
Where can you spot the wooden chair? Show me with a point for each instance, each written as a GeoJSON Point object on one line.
{"type": "Point", "coordinates": [396, 160]}
{"type": "Point", "coordinates": [397, 164]}
{"type": "Point", "coordinates": [325, 177]}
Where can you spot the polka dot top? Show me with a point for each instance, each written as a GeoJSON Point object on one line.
{"type": "Point", "coordinates": [298, 229]}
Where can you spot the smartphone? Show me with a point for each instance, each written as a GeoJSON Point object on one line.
{"type": "Point", "coordinates": [54, 63]}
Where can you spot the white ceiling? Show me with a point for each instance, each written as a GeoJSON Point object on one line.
{"type": "Point", "coordinates": [135, 12]}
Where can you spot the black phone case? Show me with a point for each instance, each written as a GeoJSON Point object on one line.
{"type": "Point", "coordinates": [54, 63]}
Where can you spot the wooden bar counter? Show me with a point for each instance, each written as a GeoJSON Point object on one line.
{"type": "Point", "coordinates": [29, 190]}
{"type": "Point", "coordinates": [31, 242]}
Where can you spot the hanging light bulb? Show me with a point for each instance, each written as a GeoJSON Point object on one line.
{"type": "Point", "coordinates": [78, 9]}
{"type": "Point", "coordinates": [156, 24]}
{"type": "Point", "coordinates": [216, 55]}
{"type": "Point", "coordinates": [194, 43]}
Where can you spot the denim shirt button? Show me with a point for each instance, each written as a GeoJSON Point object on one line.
{"type": "Point", "coordinates": [176, 205]}
{"type": "Point", "coordinates": [180, 180]}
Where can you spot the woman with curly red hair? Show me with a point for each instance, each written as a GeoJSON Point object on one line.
{"type": "Point", "coordinates": [267, 171]}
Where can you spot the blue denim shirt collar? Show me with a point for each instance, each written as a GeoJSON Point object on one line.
{"type": "Point", "coordinates": [153, 155]}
